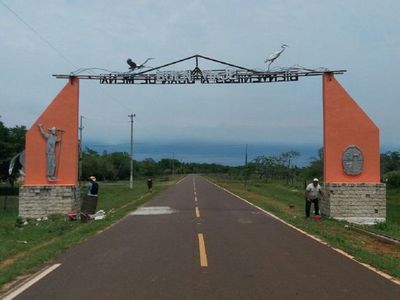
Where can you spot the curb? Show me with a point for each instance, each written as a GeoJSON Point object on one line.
{"type": "Point", "coordinates": [379, 237]}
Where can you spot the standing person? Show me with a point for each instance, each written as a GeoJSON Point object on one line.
{"type": "Point", "coordinates": [89, 204]}
{"type": "Point", "coordinates": [150, 184]}
{"type": "Point", "coordinates": [312, 193]}
{"type": "Point", "coordinates": [52, 140]}
{"type": "Point", "coordinates": [93, 187]}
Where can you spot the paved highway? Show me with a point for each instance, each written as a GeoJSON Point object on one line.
{"type": "Point", "coordinates": [196, 241]}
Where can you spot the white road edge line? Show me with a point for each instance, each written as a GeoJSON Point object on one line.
{"type": "Point", "coordinates": [181, 180]}
{"type": "Point", "coordinates": [31, 282]}
{"type": "Point", "coordinates": [387, 276]}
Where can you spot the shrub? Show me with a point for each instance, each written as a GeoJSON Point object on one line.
{"type": "Point", "coordinates": [392, 178]}
{"type": "Point", "coordinates": [9, 191]}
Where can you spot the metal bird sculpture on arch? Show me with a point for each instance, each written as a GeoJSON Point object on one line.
{"type": "Point", "coordinates": [275, 55]}
{"type": "Point", "coordinates": [133, 66]}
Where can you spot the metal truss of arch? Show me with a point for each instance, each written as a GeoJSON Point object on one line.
{"type": "Point", "coordinates": [231, 74]}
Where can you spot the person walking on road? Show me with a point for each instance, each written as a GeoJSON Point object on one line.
{"type": "Point", "coordinates": [150, 184]}
{"type": "Point", "coordinates": [312, 193]}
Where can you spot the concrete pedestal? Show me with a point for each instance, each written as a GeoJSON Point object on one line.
{"type": "Point", "coordinates": [44, 200]}
{"type": "Point", "coordinates": [359, 203]}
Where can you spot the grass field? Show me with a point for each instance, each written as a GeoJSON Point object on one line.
{"type": "Point", "coordinates": [288, 204]}
{"type": "Point", "coordinates": [23, 250]}
{"type": "Point", "coordinates": [391, 227]}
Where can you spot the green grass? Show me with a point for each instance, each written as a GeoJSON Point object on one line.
{"type": "Point", "coordinates": [39, 242]}
{"type": "Point", "coordinates": [393, 205]}
{"type": "Point", "coordinates": [288, 204]}
{"type": "Point", "coordinates": [391, 227]}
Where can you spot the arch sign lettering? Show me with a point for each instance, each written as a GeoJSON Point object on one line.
{"type": "Point", "coordinates": [230, 74]}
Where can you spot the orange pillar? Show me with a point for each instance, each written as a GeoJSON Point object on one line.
{"type": "Point", "coordinates": [63, 114]}
{"type": "Point", "coordinates": [346, 124]}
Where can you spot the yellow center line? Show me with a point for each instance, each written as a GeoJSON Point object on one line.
{"type": "Point", "coordinates": [197, 212]}
{"type": "Point", "coordinates": [202, 249]}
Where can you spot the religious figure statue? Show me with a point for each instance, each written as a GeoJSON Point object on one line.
{"type": "Point", "coordinates": [353, 160]}
{"type": "Point", "coordinates": [52, 140]}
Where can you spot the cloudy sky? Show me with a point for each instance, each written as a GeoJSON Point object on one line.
{"type": "Point", "coordinates": [39, 38]}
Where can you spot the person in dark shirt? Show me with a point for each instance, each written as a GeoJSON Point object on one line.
{"type": "Point", "coordinates": [93, 187]}
{"type": "Point", "coordinates": [150, 184]}
{"type": "Point", "coordinates": [89, 204]}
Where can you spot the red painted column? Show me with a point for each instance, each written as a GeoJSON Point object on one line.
{"type": "Point", "coordinates": [63, 114]}
{"type": "Point", "coordinates": [345, 124]}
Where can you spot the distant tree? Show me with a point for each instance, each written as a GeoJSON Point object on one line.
{"type": "Point", "coordinates": [168, 166]}
{"type": "Point", "coordinates": [316, 167]}
{"type": "Point", "coordinates": [122, 164]}
{"type": "Point", "coordinates": [263, 166]}
{"type": "Point", "coordinates": [12, 141]}
{"type": "Point", "coordinates": [4, 146]}
{"type": "Point", "coordinates": [149, 167]}
{"type": "Point", "coordinates": [91, 164]}
{"type": "Point", "coordinates": [275, 166]}
{"type": "Point", "coordinates": [107, 169]}
{"type": "Point", "coordinates": [390, 168]}
{"type": "Point", "coordinates": [286, 158]}
{"type": "Point", "coordinates": [91, 151]}
{"type": "Point", "coordinates": [17, 138]}
{"type": "Point", "coordinates": [287, 163]}
{"type": "Point", "coordinates": [392, 178]}
{"type": "Point", "coordinates": [390, 161]}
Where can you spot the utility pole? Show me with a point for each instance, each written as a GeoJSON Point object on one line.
{"type": "Point", "coordinates": [173, 163]}
{"type": "Point", "coordinates": [245, 170]}
{"type": "Point", "coordinates": [131, 116]}
{"type": "Point", "coordinates": [245, 160]}
{"type": "Point", "coordinates": [80, 148]}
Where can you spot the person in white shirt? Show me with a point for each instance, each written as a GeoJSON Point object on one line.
{"type": "Point", "coordinates": [312, 193]}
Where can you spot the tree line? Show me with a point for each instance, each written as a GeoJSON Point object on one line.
{"type": "Point", "coordinates": [116, 165]}
{"type": "Point", "coordinates": [12, 142]}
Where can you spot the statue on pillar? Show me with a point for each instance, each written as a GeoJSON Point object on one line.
{"type": "Point", "coordinates": [52, 140]}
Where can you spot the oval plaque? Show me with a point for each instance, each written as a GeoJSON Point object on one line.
{"type": "Point", "coordinates": [353, 160]}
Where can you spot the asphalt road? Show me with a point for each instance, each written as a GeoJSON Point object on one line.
{"type": "Point", "coordinates": [196, 241]}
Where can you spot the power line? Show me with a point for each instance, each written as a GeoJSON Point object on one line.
{"type": "Point", "coordinates": [48, 43]}
{"type": "Point", "coordinates": [38, 34]}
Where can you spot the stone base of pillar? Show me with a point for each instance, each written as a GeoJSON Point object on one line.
{"type": "Point", "coordinates": [360, 203]}
{"type": "Point", "coordinates": [42, 201]}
